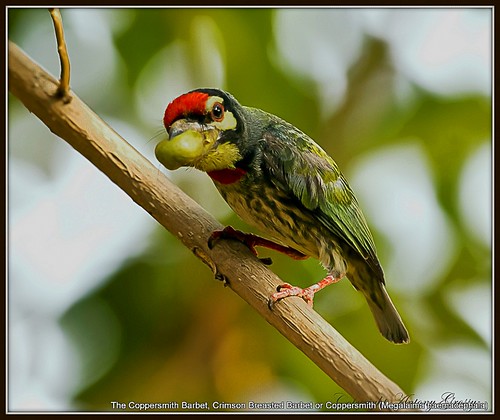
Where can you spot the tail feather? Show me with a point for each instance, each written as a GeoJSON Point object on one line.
{"type": "Point", "coordinates": [386, 316]}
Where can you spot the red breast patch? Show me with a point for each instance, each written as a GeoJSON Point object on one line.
{"type": "Point", "coordinates": [227, 176]}
{"type": "Point", "coordinates": [189, 103]}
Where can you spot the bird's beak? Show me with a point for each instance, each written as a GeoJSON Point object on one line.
{"type": "Point", "coordinates": [187, 143]}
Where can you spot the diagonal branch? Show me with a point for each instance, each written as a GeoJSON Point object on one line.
{"type": "Point", "coordinates": [77, 124]}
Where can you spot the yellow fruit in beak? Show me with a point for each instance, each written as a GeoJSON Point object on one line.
{"type": "Point", "coordinates": [182, 150]}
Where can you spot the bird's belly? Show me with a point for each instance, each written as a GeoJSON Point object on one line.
{"type": "Point", "coordinates": [279, 217]}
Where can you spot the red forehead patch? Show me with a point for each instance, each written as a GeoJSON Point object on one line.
{"type": "Point", "coordinates": [189, 103]}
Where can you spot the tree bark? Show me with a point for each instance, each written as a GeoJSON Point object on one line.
{"type": "Point", "coordinates": [88, 134]}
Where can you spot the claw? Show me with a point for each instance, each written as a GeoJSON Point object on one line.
{"type": "Point", "coordinates": [230, 233]}
{"type": "Point", "coordinates": [251, 241]}
{"type": "Point", "coordinates": [286, 290]}
{"type": "Point", "coordinates": [214, 237]}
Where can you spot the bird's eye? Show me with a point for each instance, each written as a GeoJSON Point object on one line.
{"type": "Point", "coordinates": [218, 112]}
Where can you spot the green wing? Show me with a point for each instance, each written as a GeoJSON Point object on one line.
{"type": "Point", "coordinates": [297, 165]}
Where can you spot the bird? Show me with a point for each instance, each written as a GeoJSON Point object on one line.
{"type": "Point", "coordinates": [280, 181]}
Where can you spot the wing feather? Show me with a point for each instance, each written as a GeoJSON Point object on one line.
{"type": "Point", "coordinates": [301, 168]}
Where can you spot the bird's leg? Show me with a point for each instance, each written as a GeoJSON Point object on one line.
{"type": "Point", "coordinates": [285, 290]}
{"type": "Point", "coordinates": [251, 241]}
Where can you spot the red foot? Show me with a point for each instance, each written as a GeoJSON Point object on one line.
{"type": "Point", "coordinates": [286, 290]}
{"type": "Point", "coordinates": [251, 241]}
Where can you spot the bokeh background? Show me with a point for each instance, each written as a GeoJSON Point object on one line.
{"type": "Point", "coordinates": [104, 305]}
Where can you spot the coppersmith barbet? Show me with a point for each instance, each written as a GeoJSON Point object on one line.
{"type": "Point", "coordinates": [279, 180]}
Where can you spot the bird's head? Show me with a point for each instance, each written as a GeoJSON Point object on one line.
{"type": "Point", "coordinates": [204, 128]}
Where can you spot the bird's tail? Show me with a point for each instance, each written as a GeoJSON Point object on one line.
{"type": "Point", "coordinates": [386, 316]}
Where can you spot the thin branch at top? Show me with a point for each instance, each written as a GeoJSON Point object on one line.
{"type": "Point", "coordinates": [63, 88]}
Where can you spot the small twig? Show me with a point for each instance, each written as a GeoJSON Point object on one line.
{"type": "Point", "coordinates": [63, 88]}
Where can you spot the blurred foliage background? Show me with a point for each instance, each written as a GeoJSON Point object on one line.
{"type": "Point", "coordinates": [104, 305]}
